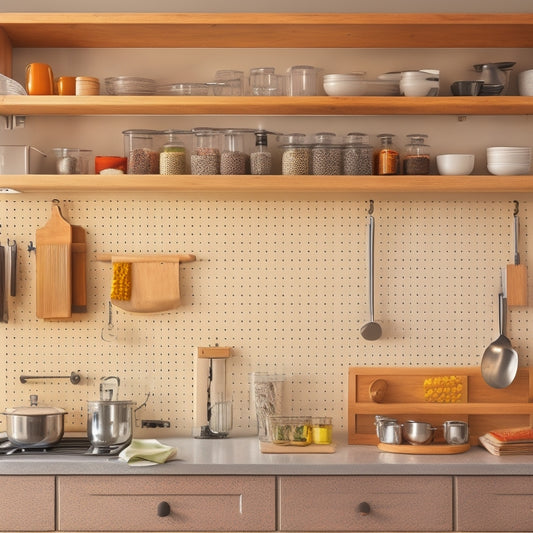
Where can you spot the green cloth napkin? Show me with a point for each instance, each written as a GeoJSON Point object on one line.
{"type": "Point", "coordinates": [146, 451]}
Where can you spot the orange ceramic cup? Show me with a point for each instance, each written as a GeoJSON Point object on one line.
{"type": "Point", "coordinates": [39, 79]}
{"type": "Point", "coordinates": [66, 85]}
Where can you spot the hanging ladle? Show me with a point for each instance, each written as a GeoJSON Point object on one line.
{"type": "Point", "coordinates": [500, 361]}
{"type": "Point", "coordinates": [371, 331]}
{"type": "Point", "coordinates": [108, 332]}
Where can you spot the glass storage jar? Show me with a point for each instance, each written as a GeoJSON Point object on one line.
{"type": "Point", "coordinates": [234, 159]}
{"type": "Point", "coordinates": [295, 155]}
{"type": "Point", "coordinates": [173, 156]}
{"type": "Point", "coordinates": [261, 158]}
{"type": "Point", "coordinates": [416, 159]}
{"type": "Point", "coordinates": [326, 155]}
{"type": "Point", "coordinates": [357, 155]}
{"type": "Point", "coordinates": [386, 156]}
{"type": "Point", "coordinates": [205, 156]}
{"type": "Point", "coordinates": [140, 147]}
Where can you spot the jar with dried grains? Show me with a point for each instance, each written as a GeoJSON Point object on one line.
{"type": "Point", "coordinates": [386, 156]}
{"type": "Point", "coordinates": [234, 159]}
{"type": "Point", "coordinates": [140, 147]}
{"type": "Point", "coordinates": [261, 158]}
{"type": "Point", "coordinates": [205, 157]}
{"type": "Point", "coordinates": [357, 155]}
{"type": "Point", "coordinates": [295, 157]}
{"type": "Point", "coordinates": [416, 159]}
{"type": "Point", "coordinates": [173, 156]}
{"type": "Point", "coordinates": [326, 155]}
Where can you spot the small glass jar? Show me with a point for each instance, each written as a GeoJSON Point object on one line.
{"type": "Point", "coordinates": [234, 160]}
{"type": "Point", "coordinates": [141, 151]}
{"type": "Point", "coordinates": [357, 155]}
{"type": "Point", "coordinates": [205, 156]}
{"type": "Point", "coordinates": [416, 160]}
{"type": "Point", "coordinates": [326, 155]}
{"type": "Point", "coordinates": [322, 429]}
{"type": "Point", "coordinates": [295, 157]}
{"type": "Point", "coordinates": [72, 160]}
{"type": "Point", "coordinates": [261, 158]}
{"type": "Point", "coordinates": [386, 156]}
{"type": "Point", "coordinates": [173, 156]}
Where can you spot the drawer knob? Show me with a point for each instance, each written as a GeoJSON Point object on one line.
{"type": "Point", "coordinates": [363, 508]}
{"type": "Point", "coordinates": [163, 509]}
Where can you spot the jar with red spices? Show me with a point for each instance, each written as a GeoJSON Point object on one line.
{"type": "Point", "coordinates": [386, 156]}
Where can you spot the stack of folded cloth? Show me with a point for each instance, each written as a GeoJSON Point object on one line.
{"type": "Point", "coordinates": [144, 452]}
{"type": "Point", "coordinates": [511, 441]}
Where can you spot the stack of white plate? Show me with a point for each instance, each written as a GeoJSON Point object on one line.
{"type": "Point", "coordinates": [355, 84]}
{"type": "Point", "coordinates": [10, 86]}
{"type": "Point", "coordinates": [509, 160]}
{"type": "Point", "coordinates": [129, 85]}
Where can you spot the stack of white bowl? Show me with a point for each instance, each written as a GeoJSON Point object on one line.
{"type": "Point", "coordinates": [509, 160]}
{"type": "Point", "coordinates": [420, 82]}
{"type": "Point", "coordinates": [525, 83]}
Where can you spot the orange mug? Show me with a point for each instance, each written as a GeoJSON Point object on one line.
{"type": "Point", "coordinates": [66, 85]}
{"type": "Point", "coordinates": [39, 79]}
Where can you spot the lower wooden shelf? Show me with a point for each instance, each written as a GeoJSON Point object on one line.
{"type": "Point", "coordinates": [33, 183]}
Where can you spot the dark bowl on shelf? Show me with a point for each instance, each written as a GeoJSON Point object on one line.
{"type": "Point", "coordinates": [491, 89]}
{"type": "Point", "coordinates": [467, 88]}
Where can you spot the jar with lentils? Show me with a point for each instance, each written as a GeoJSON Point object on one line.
{"type": "Point", "coordinates": [205, 156]}
{"type": "Point", "coordinates": [234, 159]}
{"type": "Point", "coordinates": [295, 155]}
{"type": "Point", "coordinates": [261, 158]}
{"type": "Point", "coordinates": [141, 147]}
{"type": "Point", "coordinates": [326, 155]}
{"type": "Point", "coordinates": [173, 156]}
{"type": "Point", "coordinates": [357, 155]}
{"type": "Point", "coordinates": [386, 156]}
{"type": "Point", "coordinates": [416, 160]}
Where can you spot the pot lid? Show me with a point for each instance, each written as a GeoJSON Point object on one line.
{"type": "Point", "coordinates": [34, 410]}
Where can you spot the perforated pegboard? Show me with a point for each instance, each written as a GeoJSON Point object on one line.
{"type": "Point", "coordinates": [284, 281]}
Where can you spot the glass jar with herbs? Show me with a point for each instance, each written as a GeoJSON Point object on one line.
{"type": "Point", "coordinates": [357, 155]}
{"type": "Point", "coordinates": [386, 156]}
{"type": "Point", "coordinates": [416, 160]}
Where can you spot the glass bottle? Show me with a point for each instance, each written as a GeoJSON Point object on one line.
{"type": "Point", "coordinates": [295, 160]}
{"type": "Point", "coordinates": [416, 159]}
{"type": "Point", "coordinates": [326, 156]}
{"type": "Point", "coordinates": [386, 156]}
{"type": "Point", "coordinates": [233, 159]}
{"type": "Point", "coordinates": [205, 156]}
{"type": "Point", "coordinates": [261, 158]}
{"type": "Point", "coordinates": [357, 157]}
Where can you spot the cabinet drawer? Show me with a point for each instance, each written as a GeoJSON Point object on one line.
{"type": "Point", "coordinates": [495, 503]}
{"type": "Point", "coordinates": [27, 503]}
{"type": "Point", "coordinates": [396, 503]}
{"type": "Point", "coordinates": [197, 503]}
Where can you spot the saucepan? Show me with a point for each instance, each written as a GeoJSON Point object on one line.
{"type": "Point", "coordinates": [109, 422]}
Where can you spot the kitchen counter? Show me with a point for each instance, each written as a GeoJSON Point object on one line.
{"type": "Point", "coordinates": [241, 456]}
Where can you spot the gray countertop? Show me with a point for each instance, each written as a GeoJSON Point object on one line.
{"type": "Point", "coordinates": [242, 456]}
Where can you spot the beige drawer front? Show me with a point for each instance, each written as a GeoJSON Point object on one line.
{"type": "Point", "coordinates": [197, 503]}
{"type": "Point", "coordinates": [27, 503]}
{"type": "Point", "coordinates": [396, 503]}
{"type": "Point", "coordinates": [495, 503]}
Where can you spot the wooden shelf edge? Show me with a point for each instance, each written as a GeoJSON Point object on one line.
{"type": "Point", "coordinates": [265, 184]}
{"type": "Point", "coordinates": [467, 408]}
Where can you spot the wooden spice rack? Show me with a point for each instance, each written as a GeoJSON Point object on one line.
{"type": "Point", "coordinates": [399, 393]}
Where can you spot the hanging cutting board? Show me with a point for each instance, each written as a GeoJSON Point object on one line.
{"type": "Point", "coordinates": [79, 270]}
{"type": "Point", "coordinates": [53, 267]}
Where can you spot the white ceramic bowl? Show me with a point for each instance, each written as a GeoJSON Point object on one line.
{"type": "Point", "coordinates": [525, 83]}
{"type": "Point", "coordinates": [508, 169]}
{"type": "Point", "coordinates": [455, 164]}
{"type": "Point", "coordinates": [419, 87]}
{"type": "Point", "coordinates": [345, 87]}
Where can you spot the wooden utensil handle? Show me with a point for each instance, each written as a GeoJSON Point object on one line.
{"type": "Point", "coordinates": [146, 258]}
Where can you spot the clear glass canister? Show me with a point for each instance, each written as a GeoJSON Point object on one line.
{"type": "Point", "coordinates": [173, 156]}
{"type": "Point", "coordinates": [386, 156]}
{"type": "Point", "coordinates": [416, 160]}
{"type": "Point", "coordinates": [322, 429]}
{"type": "Point", "coordinates": [140, 147]}
{"type": "Point", "coordinates": [357, 156]}
{"type": "Point", "coordinates": [326, 155]}
{"type": "Point", "coordinates": [205, 156]}
{"type": "Point", "coordinates": [234, 159]}
{"type": "Point", "coordinates": [261, 158]}
{"type": "Point", "coordinates": [295, 156]}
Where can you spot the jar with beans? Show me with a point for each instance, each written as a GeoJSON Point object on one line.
{"type": "Point", "coordinates": [416, 160]}
{"type": "Point", "coordinates": [234, 159]}
{"type": "Point", "coordinates": [142, 150]}
{"type": "Point", "coordinates": [261, 158]}
{"type": "Point", "coordinates": [357, 155]}
{"type": "Point", "coordinates": [326, 155]}
{"type": "Point", "coordinates": [205, 156]}
{"type": "Point", "coordinates": [386, 156]}
{"type": "Point", "coordinates": [295, 156]}
{"type": "Point", "coordinates": [173, 156]}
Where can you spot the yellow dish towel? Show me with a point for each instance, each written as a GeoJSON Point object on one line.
{"type": "Point", "coordinates": [145, 452]}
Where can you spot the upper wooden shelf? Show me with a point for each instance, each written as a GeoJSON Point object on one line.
{"type": "Point", "coordinates": [267, 30]}
{"type": "Point", "coordinates": [257, 105]}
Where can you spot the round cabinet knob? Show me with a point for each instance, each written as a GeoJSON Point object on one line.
{"type": "Point", "coordinates": [163, 509]}
{"type": "Point", "coordinates": [363, 508]}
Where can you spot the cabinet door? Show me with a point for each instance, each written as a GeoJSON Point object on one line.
{"type": "Point", "coordinates": [363, 503]}
{"type": "Point", "coordinates": [27, 503]}
{"type": "Point", "coordinates": [195, 503]}
{"type": "Point", "coordinates": [495, 503]}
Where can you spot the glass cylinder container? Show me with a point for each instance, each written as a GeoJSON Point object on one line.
{"type": "Point", "coordinates": [261, 158]}
{"type": "Point", "coordinates": [234, 159]}
{"type": "Point", "coordinates": [205, 156]}
{"type": "Point", "coordinates": [295, 156]}
{"type": "Point", "coordinates": [303, 81]}
{"type": "Point", "coordinates": [416, 159]}
{"type": "Point", "coordinates": [141, 150]}
{"type": "Point", "coordinates": [357, 156]}
{"type": "Point", "coordinates": [326, 155]}
{"type": "Point", "coordinates": [386, 156]}
{"type": "Point", "coordinates": [173, 156]}
{"type": "Point", "coordinates": [322, 429]}
{"type": "Point", "coordinates": [267, 399]}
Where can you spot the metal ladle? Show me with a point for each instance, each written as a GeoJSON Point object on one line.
{"type": "Point", "coordinates": [500, 361]}
{"type": "Point", "coordinates": [371, 331]}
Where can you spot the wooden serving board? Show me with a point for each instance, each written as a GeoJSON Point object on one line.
{"type": "Point", "coordinates": [269, 447]}
{"type": "Point", "coordinates": [431, 449]}
{"type": "Point", "coordinates": [402, 395]}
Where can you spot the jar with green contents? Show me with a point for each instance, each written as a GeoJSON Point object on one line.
{"type": "Point", "coordinates": [173, 156]}
{"type": "Point", "coordinates": [416, 160]}
{"type": "Point", "coordinates": [322, 429]}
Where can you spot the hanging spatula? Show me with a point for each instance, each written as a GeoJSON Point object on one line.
{"type": "Point", "coordinates": [516, 273]}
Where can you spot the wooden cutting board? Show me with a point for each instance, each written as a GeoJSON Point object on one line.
{"type": "Point", "coordinates": [53, 267]}
{"type": "Point", "coordinates": [79, 270]}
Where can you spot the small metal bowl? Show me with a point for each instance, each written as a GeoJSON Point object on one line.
{"type": "Point", "coordinates": [466, 88]}
{"type": "Point", "coordinates": [418, 433]}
